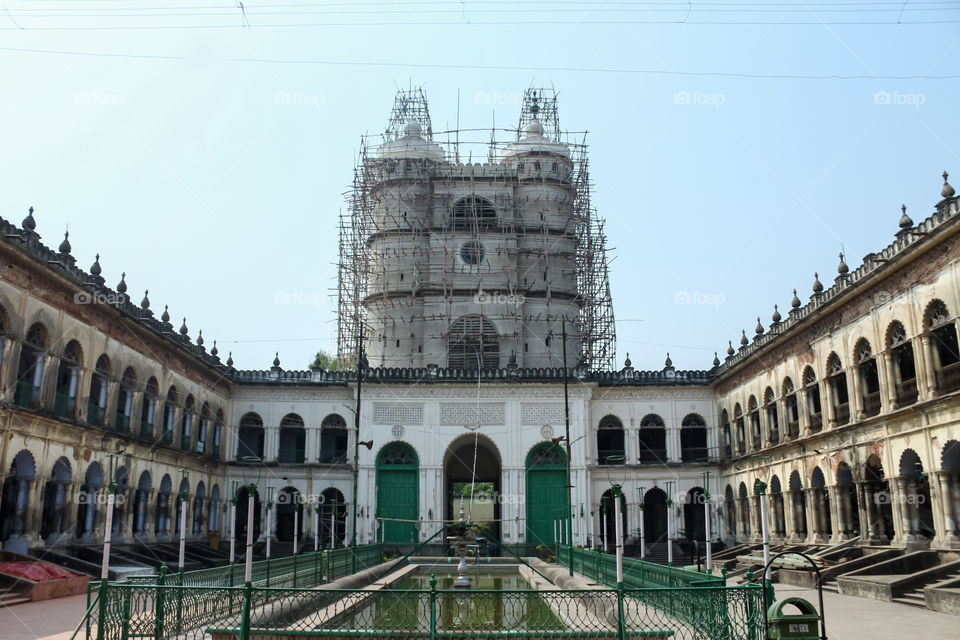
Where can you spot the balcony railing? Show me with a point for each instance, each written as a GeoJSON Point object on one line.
{"type": "Point", "coordinates": [871, 403]}
{"type": "Point", "coordinates": [653, 456]}
{"type": "Point", "coordinates": [63, 405]}
{"type": "Point", "coordinates": [793, 429]}
{"type": "Point", "coordinates": [907, 392]}
{"type": "Point", "coordinates": [333, 458]}
{"type": "Point", "coordinates": [123, 423]}
{"type": "Point", "coordinates": [816, 421]}
{"type": "Point", "coordinates": [26, 395]}
{"type": "Point", "coordinates": [610, 456]}
{"type": "Point", "coordinates": [842, 413]}
{"type": "Point", "coordinates": [948, 378]}
{"type": "Point", "coordinates": [774, 436]}
{"type": "Point", "coordinates": [94, 414]}
{"type": "Point", "coordinates": [694, 454]}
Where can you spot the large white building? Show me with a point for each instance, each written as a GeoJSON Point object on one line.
{"type": "Point", "coordinates": [849, 398]}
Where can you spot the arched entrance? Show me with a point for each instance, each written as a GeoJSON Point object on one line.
{"type": "Point", "coordinates": [54, 501]}
{"type": "Point", "coordinates": [288, 504]}
{"type": "Point", "coordinates": [877, 502]}
{"type": "Point", "coordinates": [655, 516]}
{"type": "Point", "coordinates": [914, 498]}
{"type": "Point", "coordinates": [609, 529]}
{"type": "Point", "coordinates": [242, 499]}
{"type": "Point", "coordinates": [473, 458]}
{"type": "Point", "coordinates": [694, 520]}
{"type": "Point", "coordinates": [87, 502]}
{"type": "Point", "coordinates": [140, 504]}
{"type": "Point", "coordinates": [16, 502]}
{"type": "Point", "coordinates": [546, 496]}
{"type": "Point", "coordinates": [332, 512]}
{"type": "Point", "coordinates": [398, 488]}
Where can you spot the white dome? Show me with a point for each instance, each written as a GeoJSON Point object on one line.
{"type": "Point", "coordinates": [535, 142]}
{"type": "Point", "coordinates": [410, 145]}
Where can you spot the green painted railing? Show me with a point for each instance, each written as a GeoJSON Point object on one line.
{"type": "Point", "coordinates": [126, 611]}
{"type": "Point", "coordinates": [637, 574]}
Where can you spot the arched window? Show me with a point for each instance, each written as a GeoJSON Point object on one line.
{"type": "Point", "coordinates": [99, 384]}
{"type": "Point", "coordinates": [869, 377]}
{"type": "Point", "coordinates": [792, 408]}
{"type": "Point", "coordinates": [293, 436]}
{"type": "Point", "coordinates": [473, 211]}
{"type": "Point", "coordinates": [125, 400]}
{"type": "Point", "coordinates": [4, 328]}
{"type": "Point", "coordinates": [198, 501]}
{"type": "Point", "coordinates": [333, 439]}
{"type": "Point", "coordinates": [148, 411]}
{"type": "Point", "coordinates": [186, 423]}
{"type": "Point", "coordinates": [68, 377]}
{"type": "Point", "coordinates": [217, 433]}
{"type": "Point", "coordinates": [838, 389]}
{"type": "Point", "coordinates": [250, 437]}
{"type": "Point", "coordinates": [946, 352]}
{"type": "Point", "coordinates": [30, 370]}
{"type": "Point", "coordinates": [904, 367]}
{"type": "Point", "coordinates": [202, 426]}
{"type": "Point", "coordinates": [773, 418]}
{"type": "Point", "coordinates": [693, 439]}
{"type": "Point", "coordinates": [727, 437]}
{"type": "Point", "coordinates": [169, 415]}
{"type": "Point", "coordinates": [471, 338]}
{"type": "Point", "coordinates": [653, 440]}
{"type": "Point", "coordinates": [756, 437]}
{"type": "Point", "coordinates": [610, 445]}
{"type": "Point", "coordinates": [739, 420]}
{"type": "Point", "coordinates": [812, 392]}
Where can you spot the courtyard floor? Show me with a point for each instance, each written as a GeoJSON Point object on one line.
{"type": "Point", "coordinates": [848, 618]}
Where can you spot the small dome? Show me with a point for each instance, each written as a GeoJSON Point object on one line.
{"type": "Point", "coordinates": [776, 314]}
{"type": "Point", "coordinates": [535, 142]}
{"type": "Point", "coordinates": [905, 221]}
{"type": "Point", "coordinates": [743, 339]}
{"type": "Point", "coordinates": [29, 223]}
{"type": "Point", "coordinates": [214, 351]}
{"type": "Point", "coordinates": [410, 145]}
{"type": "Point", "coordinates": [759, 329]}
{"type": "Point", "coordinates": [145, 303]}
{"type": "Point", "coordinates": [65, 245]}
{"type": "Point", "coordinates": [716, 360]}
{"type": "Point", "coordinates": [412, 129]}
{"type": "Point", "coordinates": [947, 191]}
{"type": "Point", "coordinates": [95, 267]}
{"type": "Point", "coordinates": [817, 285]}
{"type": "Point", "coordinates": [165, 316]}
{"type": "Point", "coordinates": [795, 303]}
{"type": "Point", "coordinates": [534, 129]}
{"type": "Point", "coordinates": [122, 285]}
{"type": "Point", "coordinates": [842, 268]}
{"type": "Point", "coordinates": [730, 350]}
{"type": "Point", "coordinates": [183, 328]}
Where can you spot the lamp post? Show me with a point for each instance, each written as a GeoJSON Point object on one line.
{"type": "Point", "coordinates": [108, 524]}
{"type": "Point", "coordinates": [316, 528]}
{"type": "Point", "coordinates": [566, 437]}
{"type": "Point", "coordinates": [233, 523]}
{"type": "Point", "coordinates": [706, 521]}
{"type": "Point", "coordinates": [251, 492]}
{"type": "Point", "coordinates": [361, 364]}
{"type": "Point", "coordinates": [604, 523]}
{"type": "Point", "coordinates": [184, 497]}
{"type": "Point", "coordinates": [762, 490]}
{"type": "Point", "coordinates": [669, 484]}
{"type": "Point", "coordinates": [269, 523]}
{"type": "Point", "coordinates": [643, 532]}
{"type": "Point", "coordinates": [618, 527]}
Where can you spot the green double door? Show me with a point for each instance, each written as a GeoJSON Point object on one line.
{"type": "Point", "coordinates": [546, 496]}
{"type": "Point", "coordinates": [398, 489]}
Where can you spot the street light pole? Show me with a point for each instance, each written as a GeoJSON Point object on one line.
{"type": "Point", "coordinates": [248, 561]}
{"type": "Point", "coordinates": [669, 484]}
{"type": "Point", "coordinates": [184, 497]}
{"type": "Point", "coordinates": [108, 524]}
{"type": "Point", "coordinates": [618, 527]}
{"type": "Point", "coordinates": [233, 525]}
{"type": "Point", "coordinates": [356, 447]}
{"type": "Point", "coordinates": [566, 420]}
{"type": "Point", "coordinates": [643, 532]}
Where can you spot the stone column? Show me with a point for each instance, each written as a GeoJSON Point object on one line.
{"type": "Point", "coordinates": [811, 513]}
{"type": "Point", "coordinates": [827, 409]}
{"type": "Point", "coordinates": [926, 367]}
{"type": "Point", "coordinates": [888, 382]}
{"type": "Point", "coordinates": [953, 498]}
{"type": "Point", "coordinates": [803, 409]}
{"type": "Point", "coordinates": [855, 393]}
{"type": "Point", "coordinates": [903, 509]}
{"type": "Point", "coordinates": [837, 525]}
{"type": "Point", "coordinates": [821, 507]}
{"type": "Point", "coordinates": [867, 532]}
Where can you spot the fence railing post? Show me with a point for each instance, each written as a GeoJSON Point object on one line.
{"type": "Point", "coordinates": [127, 595]}
{"type": "Point", "coordinates": [161, 597]}
{"type": "Point", "coordinates": [433, 606]}
{"type": "Point", "coordinates": [621, 622]}
{"type": "Point", "coordinates": [180, 600]}
{"type": "Point", "coordinates": [245, 616]}
{"type": "Point", "coordinates": [294, 568]}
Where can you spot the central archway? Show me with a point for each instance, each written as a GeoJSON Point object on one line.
{"type": "Point", "coordinates": [458, 472]}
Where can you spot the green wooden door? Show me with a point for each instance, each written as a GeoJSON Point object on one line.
{"type": "Point", "coordinates": [546, 497]}
{"type": "Point", "coordinates": [397, 492]}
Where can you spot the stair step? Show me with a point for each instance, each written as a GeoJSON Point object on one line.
{"type": "Point", "coordinates": [911, 600]}
{"type": "Point", "coordinates": [9, 599]}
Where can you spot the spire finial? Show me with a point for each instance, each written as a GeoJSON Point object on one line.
{"type": "Point", "coordinates": [947, 191]}
{"type": "Point", "coordinates": [668, 362]}
{"type": "Point", "coordinates": [842, 268]}
{"type": "Point", "coordinates": [122, 285]}
{"type": "Point", "coordinates": [200, 338]}
{"type": "Point", "coordinates": [65, 245]}
{"type": "Point", "coordinates": [165, 317]}
{"type": "Point", "coordinates": [730, 350]}
{"type": "Point", "coordinates": [29, 223]}
{"type": "Point", "coordinates": [214, 351]}
{"type": "Point", "coordinates": [276, 359]}
{"type": "Point", "coordinates": [817, 285]}
{"type": "Point", "coordinates": [230, 359]}
{"type": "Point", "coordinates": [905, 221]}
{"type": "Point", "coordinates": [795, 303]}
{"type": "Point", "coordinates": [776, 315]}
{"type": "Point", "coordinates": [95, 269]}
{"type": "Point", "coordinates": [145, 303]}
{"type": "Point", "coordinates": [759, 328]}
{"type": "Point", "coordinates": [743, 338]}
{"type": "Point", "coordinates": [183, 328]}
{"type": "Point", "coordinates": [716, 360]}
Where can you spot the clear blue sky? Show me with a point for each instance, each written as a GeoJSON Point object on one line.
{"type": "Point", "coordinates": [190, 174]}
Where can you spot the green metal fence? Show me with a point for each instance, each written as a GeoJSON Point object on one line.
{"type": "Point", "coordinates": [165, 612]}
{"type": "Point", "coordinates": [637, 574]}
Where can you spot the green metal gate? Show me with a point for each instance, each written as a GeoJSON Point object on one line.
{"type": "Point", "coordinates": [398, 488]}
{"type": "Point", "coordinates": [546, 496]}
